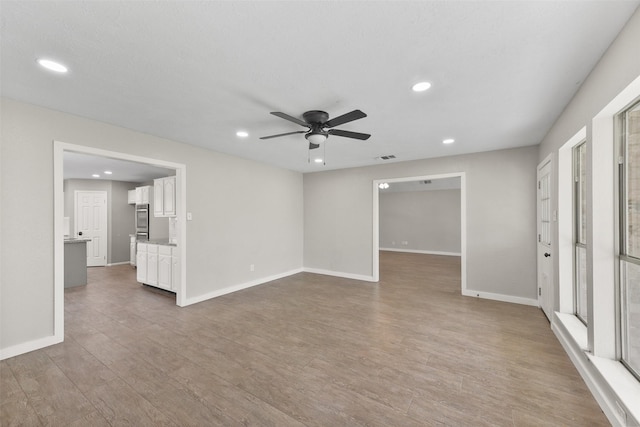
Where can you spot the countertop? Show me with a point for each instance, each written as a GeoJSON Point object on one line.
{"type": "Point", "coordinates": [164, 242]}
{"type": "Point", "coordinates": [76, 240]}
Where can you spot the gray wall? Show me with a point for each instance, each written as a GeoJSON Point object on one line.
{"type": "Point", "coordinates": [618, 67]}
{"type": "Point", "coordinates": [426, 220]}
{"type": "Point", "coordinates": [235, 221]}
{"type": "Point", "coordinates": [501, 217]}
{"type": "Point", "coordinates": [120, 215]}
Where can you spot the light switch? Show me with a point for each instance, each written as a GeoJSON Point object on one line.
{"type": "Point", "coordinates": [189, 216]}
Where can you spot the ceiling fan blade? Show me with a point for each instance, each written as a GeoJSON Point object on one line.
{"type": "Point", "coordinates": [313, 146]}
{"type": "Point", "coordinates": [348, 134]}
{"type": "Point", "coordinates": [345, 118]}
{"type": "Point", "coordinates": [288, 117]}
{"type": "Point", "coordinates": [283, 134]}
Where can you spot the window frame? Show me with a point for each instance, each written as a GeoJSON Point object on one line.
{"type": "Point", "coordinates": [621, 231]}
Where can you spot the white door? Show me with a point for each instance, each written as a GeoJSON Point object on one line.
{"type": "Point", "coordinates": [91, 223]}
{"type": "Point", "coordinates": [545, 260]}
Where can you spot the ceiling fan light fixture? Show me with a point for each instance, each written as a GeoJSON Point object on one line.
{"type": "Point", "coordinates": [316, 138]}
{"type": "Point", "coordinates": [383, 185]}
{"type": "Point", "coordinates": [317, 160]}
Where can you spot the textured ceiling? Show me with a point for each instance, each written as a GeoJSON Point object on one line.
{"type": "Point", "coordinates": [197, 72]}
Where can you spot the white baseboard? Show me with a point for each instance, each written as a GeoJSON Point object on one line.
{"type": "Point", "coordinates": [239, 287]}
{"type": "Point", "coordinates": [339, 274]}
{"type": "Point", "coordinates": [415, 251]}
{"type": "Point", "coordinates": [500, 297]}
{"type": "Point", "coordinates": [26, 347]}
{"type": "Point", "coordinates": [599, 387]}
{"type": "Point", "coordinates": [118, 263]}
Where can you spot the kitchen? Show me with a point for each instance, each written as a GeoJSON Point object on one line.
{"type": "Point", "coordinates": [124, 212]}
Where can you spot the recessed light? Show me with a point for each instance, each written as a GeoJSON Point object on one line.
{"type": "Point", "coordinates": [317, 160]}
{"type": "Point", "coordinates": [448, 141]}
{"type": "Point", "coordinates": [383, 185]}
{"type": "Point", "coordinates": [108, 172]}
{"type": "Point", "coordinates": [421, 87]}
{"type": "Point", "coordinates": [52, 65]}
{"type": "Point", "coordinates": [95, 175]}
{"type": "Point", "coordinates": [242, 134]}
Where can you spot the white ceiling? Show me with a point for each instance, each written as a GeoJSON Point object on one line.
{"type": "Point", "coordinates": [198, 71]}
{"type": "Point", "coordinates": [452, 183]}
{"type": "Point", "coordinates": [84, 166]}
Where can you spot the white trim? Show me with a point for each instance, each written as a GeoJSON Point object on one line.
{"type": "Point", "coordinates": [26, 347]}
{"type": "Point", "coordinates": [118, 263]}
{"type": "Point", "coordinates": [416, 251]}
{"type": "Point", "coordinates": [609, 382]}
{"type": "Point", "coordinates": [565, 222]}
{"type": "Point", "coordinates": [375, 274]}
{"type": "Point", "coordinates": [339, 274]}
{"type": "Point", "coordinates": [239, 287]}
{"type": "Point", "coordinates": [500, 297]}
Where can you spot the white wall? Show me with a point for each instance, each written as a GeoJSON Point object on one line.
{"type": "Point", "coordinates": [501, 217]}
{"type": "Point", "coordinates": [426, 220]}
{"type": "Point", "coordinates": [244, 213]}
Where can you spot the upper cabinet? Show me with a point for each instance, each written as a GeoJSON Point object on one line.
{"type": "Point", "coordinates": [164, 195]}
{"type": "Point", "coordinates": [131, 197]}
{"type": "Point", "coordinates": [142, 195]}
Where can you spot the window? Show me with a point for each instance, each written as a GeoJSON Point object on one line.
{"type": "Point", "coordinates": [629, 200]}
{"type": "Point", "coordinates": [580, 230]}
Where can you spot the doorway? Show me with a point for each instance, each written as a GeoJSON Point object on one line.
{"type": "Point", "coordinates": [419, 179]}
{"type": "Point", "coordinates": [59, 148]}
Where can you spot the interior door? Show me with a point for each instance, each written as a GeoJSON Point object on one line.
{"type": "Point", "coordinates": [544, 251]}
{"type": "Point", "coordinates": [91, 223]}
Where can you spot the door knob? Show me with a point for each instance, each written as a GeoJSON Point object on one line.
{"type": "Point", "coordinates": [547, 254]}
{"type": "Point", "coordinates": [79, 233]}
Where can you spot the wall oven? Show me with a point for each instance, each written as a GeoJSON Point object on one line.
{"type": "Point", "coordinates": [142, 222]}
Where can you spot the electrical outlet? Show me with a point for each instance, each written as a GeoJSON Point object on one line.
{"type": "Point", "coordinates": [393, 243]}
{"type": "Point", "coordinates": [252, 267]}
{"type": "Point", "coordinates": [405, 243]}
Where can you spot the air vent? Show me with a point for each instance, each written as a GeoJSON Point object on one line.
{"type": "Point", "coordinates": [426, 181]}
{"type": "Point", "coordinates": [388, 157]}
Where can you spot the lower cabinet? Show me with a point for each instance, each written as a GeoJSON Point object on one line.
{"type": "Point", "coordinates": [159, 266]}
{"type": "Point", "coordinates": [141, 262]}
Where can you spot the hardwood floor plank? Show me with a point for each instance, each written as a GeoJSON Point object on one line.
{"type": "Point", "coordinates": [303, 350]}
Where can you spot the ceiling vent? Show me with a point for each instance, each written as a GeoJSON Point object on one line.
{"type": "Point", "coordinates": [388, 157]}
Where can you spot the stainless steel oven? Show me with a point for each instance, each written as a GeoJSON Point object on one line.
{"type": "Point", "coordinates": [142, 221]}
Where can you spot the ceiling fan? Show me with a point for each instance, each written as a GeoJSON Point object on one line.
{"type": "Point", "coordinates": [319, 126]}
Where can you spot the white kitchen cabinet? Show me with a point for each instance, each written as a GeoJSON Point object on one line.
{"type": "Point", "coordinates": [164, 196]}
{"type": "Point", "coordinates": [141, 261]}
{"type": "Point", "coordinates": [142, 195]}
{"type": "Point", "coordinates": [164, 267]}
{"type": "Point", "coordinates": [158, 265]}
{"type": "Point", "coordinates": [169, 196]}
{"type": "Point", "coordinates": [152, 265]}
{"type": "Point", "coordinates": [175, 269]}
{"type": "Point", "coordinates": [131, 197]}
{"type": "Point", "coordinates": [132, 250]}
{"type": "Point", "coordinates": [158, 198]}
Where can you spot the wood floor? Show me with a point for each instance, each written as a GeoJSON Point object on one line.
{"type": "Point", "coordinates": [304, 350]}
